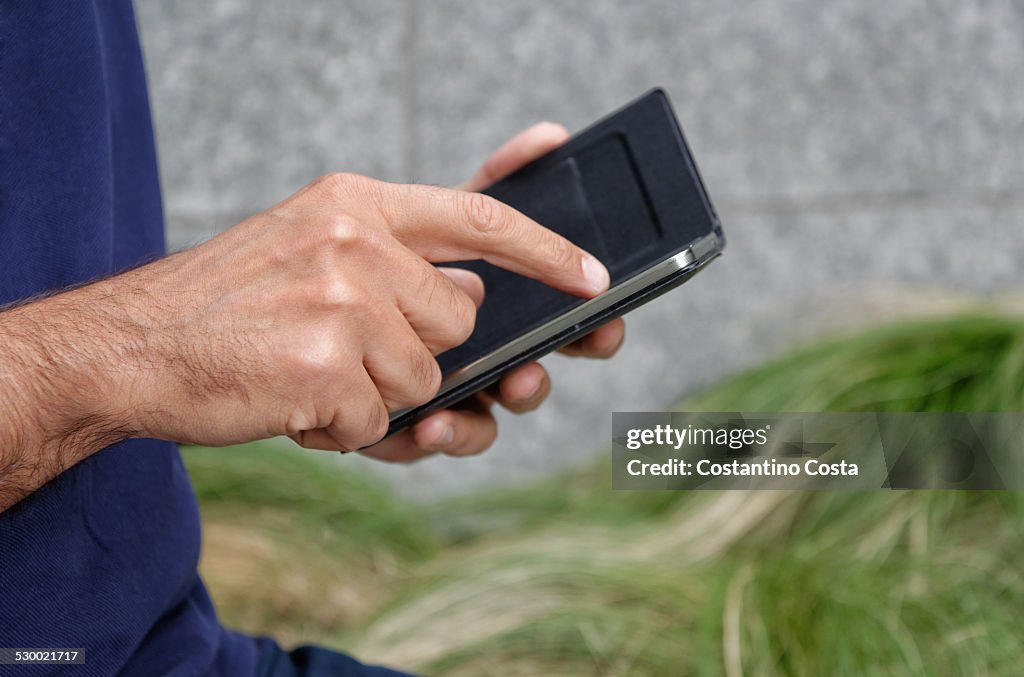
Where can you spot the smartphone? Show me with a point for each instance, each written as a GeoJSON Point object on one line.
{"type": "Point", "coordinates": [627, 190]}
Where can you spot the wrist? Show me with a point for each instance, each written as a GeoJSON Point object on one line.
{"type": "Point", "coordinates": [65, 367]}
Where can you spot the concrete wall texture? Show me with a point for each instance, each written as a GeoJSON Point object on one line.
{"type": "Point", "coordinates": [857, 152]}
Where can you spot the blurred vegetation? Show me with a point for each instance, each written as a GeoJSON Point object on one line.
{"type": "Point", "coordinates": [566, 577]}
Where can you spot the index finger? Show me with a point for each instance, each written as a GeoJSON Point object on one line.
{"type": "Point", "coordinates": [443, 224]}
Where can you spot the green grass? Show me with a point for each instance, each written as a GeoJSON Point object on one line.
{"type": "Point", "coordinates": [566, 577]}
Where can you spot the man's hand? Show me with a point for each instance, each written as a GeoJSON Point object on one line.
{"type": "Point", "coordinates": [312, 319]}
{"type": "Point", "coordinates": [321, 315]}
{"type": "Point", "coordinates": [471, 428]}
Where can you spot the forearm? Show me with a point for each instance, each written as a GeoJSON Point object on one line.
{"type": "Point", "coordinates": [314, 319]}
{"type": "Point", "coordinates": [62, 365]}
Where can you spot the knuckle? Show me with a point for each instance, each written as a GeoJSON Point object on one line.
{"type": "Point", "coordinates": [563, 254]}
{"type": "Point", "coordinates": [318, 354]}
{"type": "Point", "coordinates": [423, 376]}
{"type": "Point", "coordinates": [299, 421]}
{"type": "Point", "coordinates": [426, 375]}
{"type": "Point", "coordinates": [463, 319]}
{"type": "Point", "coordinates": [335, 292]}
{"type": "Point", "coordinates": [457, 307]}
{"type": "Point", "coordinates": [341, 241]}
{"type": "Point", "coordinates": [374, 193]}
{"type": "Point", "coordinates": [362, 422]}
{"type": "Point", "coordinates": [341, 231]}
{"type": "Point", "coordinates": [336, 183]}
{"type": "Point", "coordinates": [376, 424]}
{"type": "Point", "coordinates": [486, 214]}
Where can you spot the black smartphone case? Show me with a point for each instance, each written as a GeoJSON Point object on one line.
{"type": "Point", "coordinates": [625, 189]}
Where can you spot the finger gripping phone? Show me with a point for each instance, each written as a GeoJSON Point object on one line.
{"type": "Point", "coordinates": [627, 190]}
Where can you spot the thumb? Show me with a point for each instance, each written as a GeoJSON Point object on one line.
{"type": "Point", "coordinates": [521, 149]}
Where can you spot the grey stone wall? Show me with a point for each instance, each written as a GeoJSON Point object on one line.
{"type": "Point", "coordinates": [862, 155]}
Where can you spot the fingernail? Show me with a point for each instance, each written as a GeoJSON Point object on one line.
{"type": "Point", "coordinates": [595, 274]}
{"type": "Point", "coordinates": [446, 438]}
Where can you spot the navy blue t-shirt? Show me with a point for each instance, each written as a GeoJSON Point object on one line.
{"type": "Point", "coordinates": [103, 557]}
